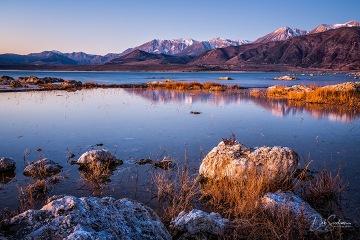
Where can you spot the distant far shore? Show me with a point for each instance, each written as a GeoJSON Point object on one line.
{"type": "Point", "coordinates": [173, 68]}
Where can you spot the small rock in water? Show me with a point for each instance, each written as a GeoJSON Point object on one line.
{"type": "Point", "coordinates": [7, 164]}
{"type": "Point", "coordinates": [225, 78]}
{"type": "Point", "coordinates": [195, 112]}
{"type": "Point", "coordinates": [42, 168]}
{"type": "Point", "coordinates": [286, 78]}
{"type": "Point", "coordinates": [165, 164]}
{"type": "Point", "coordinates": [99, 156]}
{"type": "Point", "coordinates": [144, 161]}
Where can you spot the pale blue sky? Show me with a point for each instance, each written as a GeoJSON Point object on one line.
{"type": "Point", "coordinates": [104, 26]}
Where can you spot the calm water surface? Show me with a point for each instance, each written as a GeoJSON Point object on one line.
{"type": "Point", "coordinates": [244, 79]}
{"type": "Point", "coordinates": [153, 124]}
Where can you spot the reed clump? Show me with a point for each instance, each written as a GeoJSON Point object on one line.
{"type": "Point", "coordinates": [346, 95]}
{"type": "Point", "coordinates": [190, 86]}
{"type": "Point", "coordinates": [176, 191]}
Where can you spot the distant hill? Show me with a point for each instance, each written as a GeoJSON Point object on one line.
{"type": "Point", "coordinates": [138, 56]}
{"type": "Point", "coordinates": [332, 49]}
{"type": "Point", "coordinates": [328, 46]}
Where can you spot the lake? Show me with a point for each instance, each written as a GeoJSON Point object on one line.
{"type": "Point", "coordinates": [136, 124]}
{"type": "Point", "coordinates": [243, 79]}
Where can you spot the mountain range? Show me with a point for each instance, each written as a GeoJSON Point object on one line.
{"type": "Point", "coordinates": [330, 46]}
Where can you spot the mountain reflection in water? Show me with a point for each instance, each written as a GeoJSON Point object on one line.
{"type": "Point", "coordinates": [279, 108]}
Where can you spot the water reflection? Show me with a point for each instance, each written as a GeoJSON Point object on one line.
{"type": "Point", "coordinates": [6, 177]}
{"type": "Point", "coordinates": [279, 108]}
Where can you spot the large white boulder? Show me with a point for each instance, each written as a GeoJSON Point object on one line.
{"type": "Point", "coordinates": [298, 207]}
{"type": "Point", "coordinates": [69, 217]}
{"type": "Point", "coordinates": [232, 161]}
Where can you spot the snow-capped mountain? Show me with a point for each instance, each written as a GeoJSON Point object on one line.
{"type": "Point", "coordinates": [280, 34]}
{"type": "Point", "coordinates": [184, 46]}
{"type": "Point", "coordinates": [222, 42]}
{"type": "Point", "coordinates": [325, 27]}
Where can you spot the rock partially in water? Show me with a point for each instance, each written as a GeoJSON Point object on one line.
{"type": "Point", "coordinates": [6, 80]}
{"type": "Point", "coordinates": [225, 78]}
{"type": "Point", "coordinates": [286, 78]}
{"type": "Point", "coordinates": [144, 161]}
{"type": "Point", "coordinates": [69, 217]}
{"type": "Point", "coordinates": [71, 84]}
{"type": "Point", "coordinates": [165, 164]}
{"type": "Point", "coordinates": [7, 164]}
{"type": "Point", "coordinates": [233, 160]}
{"type": "Point", "coordinates": [298, 207]}
{"type": "Point", "coordinates": [42, 168]}
{"type": "Point", "coordinates": [36, 80]}
{"type": "Point", "coordinates": [97, 156]}
{"type": "Point", "coordinates": [198, 222]}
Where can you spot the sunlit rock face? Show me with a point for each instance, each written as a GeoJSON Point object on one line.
{"type": "Point", "coordinates": [97, 156]}
{"type": "Point", "coordinates": [235, 160]}
{"type": "Point", "coordinates": [69, 217]}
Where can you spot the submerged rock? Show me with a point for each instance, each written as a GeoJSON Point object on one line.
{"type": "Point", "coordinates": [199, 222]}
{"type": "Point", "coordinates": [7, 164]}
{"type": "Point", "coordinates": [97, 156]}
{"type": "Point", "coordinates": [232, 160]}
{"type": "Point", "coordinates": [69, 217]}
{"type": "Point", "coordinates": [298, 207]}
{"type": "Point", "coordinates": [42, 168]}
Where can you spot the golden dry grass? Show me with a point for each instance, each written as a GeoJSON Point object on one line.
{"type": "Point", "coordinates": [321, 95]}
{"type": "Point", "coordinates": [176, 191]}
{"type": "Point", "coordinates": [190, 86]}
{"type": "Point", "coordinates": [239, 201]}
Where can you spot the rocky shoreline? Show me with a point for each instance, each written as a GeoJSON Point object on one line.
{"type": "Point", "coordinates": [276, 168]}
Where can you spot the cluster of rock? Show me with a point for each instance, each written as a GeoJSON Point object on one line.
{"type": "Point", "coordinates": [50, 83]}
{"type": "Point", "coordinates": [286, 78]}
{"type": "Point", "coordinates": [68, 217]}
{"type": "Point", "coordinates": [233, 160]}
